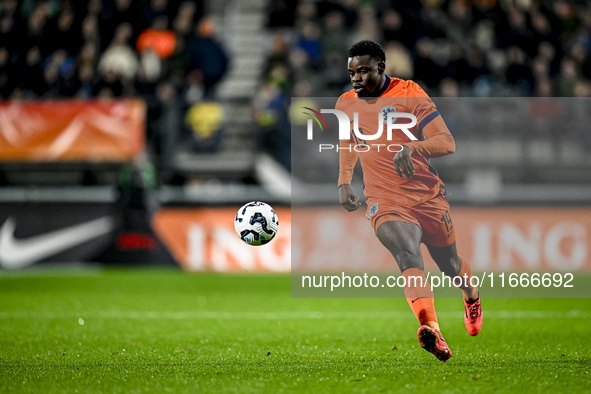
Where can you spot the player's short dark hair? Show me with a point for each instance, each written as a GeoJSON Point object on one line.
{"type": "Point", "coordinates": [366, 47]}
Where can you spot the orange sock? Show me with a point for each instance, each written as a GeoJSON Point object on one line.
{"type": "Point", "coordinates": [466, 270]}
{"type": "Point", "coordinates": [420, 298]}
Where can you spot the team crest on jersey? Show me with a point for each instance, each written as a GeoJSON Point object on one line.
{"type": "Point", "coordinates": [373, 209]}
{"type": "Point", "coordinates": [386, 110]}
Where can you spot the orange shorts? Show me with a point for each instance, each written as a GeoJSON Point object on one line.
{"type": "Point", "coordinates": [431, 216]}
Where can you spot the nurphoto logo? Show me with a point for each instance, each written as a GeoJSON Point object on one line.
{"type": "Point", "coordinates": [387, 115]}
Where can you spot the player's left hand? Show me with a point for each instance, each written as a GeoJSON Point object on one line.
{"type": "Point", "coordinates": [403, 163]}
{"type": "Point", "coordinates": [348, 199]}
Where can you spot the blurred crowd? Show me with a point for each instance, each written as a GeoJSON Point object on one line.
{"type": "Point", "coordinates": [466, 48]}
{"type": "Point", "coordinates": [106, 48]}
{"type": "Point", "coordinates": [165, 51]}
{"type": "Point", "coordinates": [452, 48]}
{"type": "Point", "coordinates": [161, 50]}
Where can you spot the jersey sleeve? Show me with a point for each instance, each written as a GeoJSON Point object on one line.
{"type": "Point", "coordinates": [437, 140]}
{"type": "Point", "coordinates": [421, 105]}
{"type": "Point", "coordinates": [347, 158]}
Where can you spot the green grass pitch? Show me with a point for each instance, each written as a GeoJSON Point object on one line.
{"type": "Point", "coordinates": [167, 331]}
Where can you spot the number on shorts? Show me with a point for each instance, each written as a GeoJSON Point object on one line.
{"type": "Point", "coordinates": [446, 219]}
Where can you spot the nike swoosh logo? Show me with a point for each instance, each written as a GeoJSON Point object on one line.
{"type": "Point", "coordinates": [413, 301]}
{"type": "Point", "coordinates": [20, 253]}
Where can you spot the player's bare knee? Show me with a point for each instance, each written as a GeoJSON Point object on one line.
{"type": "Point", "coordinates": [452, 266]}
{"type": "Point", "coordinates": [407, 259]}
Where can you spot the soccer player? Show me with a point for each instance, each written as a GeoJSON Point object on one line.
{"type": "Point", "coordinates": [406, 202]}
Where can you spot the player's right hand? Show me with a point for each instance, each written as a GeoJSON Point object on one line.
{"type": "Point", "coordinates": [348, 199]}
{"type": "Point", "coordinates": [403, 163]}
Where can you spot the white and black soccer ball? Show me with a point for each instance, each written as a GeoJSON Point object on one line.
{"type": "Point", "coordinates": [256, 223]}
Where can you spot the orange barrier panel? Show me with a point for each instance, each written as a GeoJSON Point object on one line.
{"type": "Point", "coordinates": [525, 239]}
{"type": "Point", "coordinates": [330, 239]}
{"type": "Point", "coordinates": [205, 240]}
{"type": "Point", "coordinates": [68, 130]}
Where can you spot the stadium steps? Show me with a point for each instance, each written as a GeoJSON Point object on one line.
{"type": "Point", "coordinates": [244, 39]}
{"type": "Point", "coordinates": [240, 127]}
{"type": "Point", "coordinates": [240, 25]}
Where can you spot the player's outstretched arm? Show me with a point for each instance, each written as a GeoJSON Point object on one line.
{"type": "Point", "coordinates": [347, 198]}
{"type": "Point", "coordinates": [347, 160]}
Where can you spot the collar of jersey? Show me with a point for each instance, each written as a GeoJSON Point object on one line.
{"type": "Point", "coordinates": [380, 92]}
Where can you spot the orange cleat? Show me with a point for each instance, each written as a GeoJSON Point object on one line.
{"type": "Point", "coordinates": [433, 342]}
{"type": "Point", "coordinates": [473, 317]}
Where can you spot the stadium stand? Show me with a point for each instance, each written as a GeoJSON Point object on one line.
{"type": "Point", "coordinates": [473, 50]}
{"type": "Point", "coordinates": [260, 54]}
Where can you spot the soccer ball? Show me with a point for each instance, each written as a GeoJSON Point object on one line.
{"type": "Point", "coordinates": [256, 223]}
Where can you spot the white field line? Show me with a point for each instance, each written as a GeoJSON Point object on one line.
{"type": "Point", "coordinates": [76, 272]}
{"type": "Point", "coordinates": [309, 315]}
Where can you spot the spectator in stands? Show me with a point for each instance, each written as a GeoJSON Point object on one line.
{"type": "Point", "coordinates": [334, 36]}
{"type": "Point", "coordinates": [581, 54]}
{"type": "Point", "coordinates": [478, 72]}
{"type": "Point", "coordinates": [207, 56]}
{"type": "Point", "coordinates": [309, 41]}
{"type": "Point", "coordinates": [154, 44]}
{"type": "Point", "coordinates": [86, 75]}
{"type": "Point", "coordinates": [400, 61]}
{"type": "Point", "coordinates": [31, 79]}
{"type": "Point", "coordinates": [566, 14]}
{"type": "Point", "coordinates": [154, 9]}
{"type": "Point", "coordinates": [204, 121]}
{"type": "Point", "coordinates": [395, 28]}
{"type": "Point", "coordinates": [270, 106]}
{"type": "Point", "coordinates": [5, 74]}
{"type": "Point", "coordinates": [68, 83]}
{"type": "Point", "coordinates": [88, 55]}
{"type": "Point", "coordinates": [367, 27]}
{"type": "Point", "coordinates": [449, 88]}
{"type": "Point", "coordinates": [426, 69]}
{"type": "Point", "coordinates": [348, 8]}
{"type": "Point", "coordinates": [582, 89]}
{"type": "Point", "coordinates": [50, 79]}
{"type": "Point", "coordinates": [8, 8]}
{"type": "Point", "coordinates": [118, 65]}
{"type": "Point", "coordinates": [185, 19]}
{"type": "Point", "coordinates": [301, 65]}
{"type": "Point", "coordinates": [332, 78]}
{"type": "Point", "coordinates": [62, 33]}
{"type": "Point", "coordinates": [544, 88]}
{"type": "Point", "coordinates": [95, 8]}
{"type": "Point", "coordinates": [518, 72]}
{"type": "Point", "coordinates": [175, 66]}
{"type": "Point", "coordinates": [306, 11]}
{"type": "Point", "coordinates": [541, 74]}
{"type": "Point", "coordinates": [117, 12]}
{"type": "Point", "coordinates": [157, 38]}
{"type": "Point", "coordinates": [149, 73]}
{"type": "Point", "coordinates": [279, 54]}
{"type": "Point", "coordinates": [36, 29]}
{"type": "Point", "coordinates": [457, 67]}
{"type": "Point", "coordinates": [9, 34]}
{"type": "Point", "coordinates": [568, 78]}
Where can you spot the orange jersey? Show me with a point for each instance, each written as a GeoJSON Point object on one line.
{"type": "Point", "coordinates": [377, 155]}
